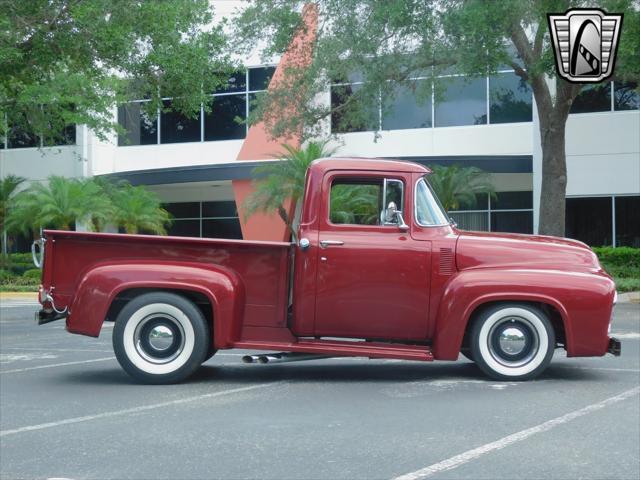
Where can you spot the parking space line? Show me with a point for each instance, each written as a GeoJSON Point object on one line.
{"type": "Point", "coordinates": [633, 370]}
{"type": "Point", "coordinates": [53, 365]}
{"type": "Point", "coordinates": [470, 455]}
{"type": "Point", "coordinates": [44, 349]}
{"type": "Point", "coordinates": [126, 411]}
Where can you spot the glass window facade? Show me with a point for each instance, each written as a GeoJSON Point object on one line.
{"type": "Point", "coordinates": [204, 219]}
{"type": "Point", "coordinates": [625, 96]}
{"type": "Point", "coordinates": [226, 119]}
{"type": "Point", "coordinates": [260, 77]}
{"type": "Point", "coordinates": [176, 128]}
{"type": "Point", "coordinates": [463, 102]}
{"type": "Point", "coordinates": [408, 108]}
{"type": "Point", "coordinates": [140, 127]}
{"type": "Point", "coordinates": [352, 115]}
{"type": "Point", "coordinates": [589, 220]}
{"type": "Point", "coordinates": [510, 99]}
{"type": "Point", "coordinates": [628, 221]}
{"type": "Point", "coordinates": [505, 212]}
{"type": "Point", "coordinates": [18, 138]}
{"type": "Point", "coordinates": [593, 98]}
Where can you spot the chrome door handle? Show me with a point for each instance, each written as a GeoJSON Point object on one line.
{"type": "Point", "coordinates": [326, 243]}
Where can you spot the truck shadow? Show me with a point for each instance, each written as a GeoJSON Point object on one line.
{"type": "Point", "coordinates": [334, 371]}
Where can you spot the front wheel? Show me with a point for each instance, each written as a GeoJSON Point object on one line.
{"type": "Point", "coordinates": [512, 342]}
{"type": "Point", "coordinates": [160, 338]}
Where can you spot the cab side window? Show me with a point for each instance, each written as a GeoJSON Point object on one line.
{"type": "Point", "coordinates": [356, 201]}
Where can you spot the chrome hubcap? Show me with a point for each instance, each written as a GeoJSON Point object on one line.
{"type": "Point", "coordinates": [512, 340]}
{"type": "Point", "coordinates": [159, 338]}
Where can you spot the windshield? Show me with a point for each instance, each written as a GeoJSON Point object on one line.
{"type": "Point", "coordinates": [428, 209]}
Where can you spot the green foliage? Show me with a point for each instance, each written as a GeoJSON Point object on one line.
{"type": "Point", "coordinates": [16, 263]}
{"type": "Point", "coordinates": [283, 180]}
{"type": "Point", "coordinates": [627, 284]}
{"type": "Point", "coordinates": [6, 276]}
{"type": "Point", "coordinates": [66, 61]}
{"type": "Point", "coordinates": [355, 204]}
{"type": "Point", "coordinates": [138, 209]}
{"type": "Point", "coordinates": [8, 187]}
{"type": "Point", "coordinates": [623, 264]}
{"type": "Point", "coordinates": [33, 273]}
{"type": "Point", "coordinates": [61, 203]}
{"type": "Point", "coordinates": [620, 256]}
{"type": "Point", "coordinates": [456, 186]}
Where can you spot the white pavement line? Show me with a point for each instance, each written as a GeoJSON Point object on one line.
{"type": "Point", "coordinates": [470, 455]}
{"type": "Point", "coordinates": [45, 349]}
{"type": "Point", "coordinates": [143, 408]}
{"type": "Point", "coordinates": [601, 368]}
{"type": "Point", "coordinates": [53, 365]}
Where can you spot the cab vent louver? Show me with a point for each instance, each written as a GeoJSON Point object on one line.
{"type": "Point", "coordinates": [446, 261]}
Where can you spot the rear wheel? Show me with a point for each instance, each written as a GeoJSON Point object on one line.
{"type": "Point", "coordinates": [160, 337]}
{"type": "Point", "coordinates": [512, 342]}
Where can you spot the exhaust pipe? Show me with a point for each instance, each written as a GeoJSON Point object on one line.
{"type": "Point", "coordinates": [283, 357]}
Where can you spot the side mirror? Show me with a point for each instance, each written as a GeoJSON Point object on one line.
{"type": "Point", "coordinates": [390, 213]}
{"type": "Point", "coordinates": [393, 216]}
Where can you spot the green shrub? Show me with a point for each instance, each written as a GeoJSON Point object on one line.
{"type": "Point", "coordinates": [6, 276]}
{"type": "Point", "coordinates": [619, 257]}
{"type": "Point", "coordinates": [34, 273]}
{"type": "Point", "coordinates": [627, 284]}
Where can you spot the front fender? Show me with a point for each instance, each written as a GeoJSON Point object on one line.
{"type": "Point", "coordinates": [102, 283]}
{"type": "Point", "coordinates": [583, 300]}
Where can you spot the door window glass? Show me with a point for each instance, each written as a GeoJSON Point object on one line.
{"type": "Point", "coordinates": [355, 202]}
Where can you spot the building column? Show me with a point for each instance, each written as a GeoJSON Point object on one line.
{"type": "Point", "coordinates": [260, 145]}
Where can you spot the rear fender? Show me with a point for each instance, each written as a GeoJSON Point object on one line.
{"type": "Point", "coordinates": [578, 297]}
{"type": "Point", "coordinates": [101, 284]}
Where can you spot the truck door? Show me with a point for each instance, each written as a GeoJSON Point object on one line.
{"type": "Point", "coordinates": [372, 278]}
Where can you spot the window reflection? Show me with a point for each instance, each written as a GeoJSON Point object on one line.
{"type": "Point", "coordinates": [510, 99]}
{"type": "Point", "coordinates": [593, 98]}
{"type": "Point", "coordinates": [463, 102]}
{"type": "Point", "coordinates": [410, 107]}
{"type": "Point", "coordinates": [625, 96]}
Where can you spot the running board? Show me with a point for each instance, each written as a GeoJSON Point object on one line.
{"type": "Point", "coordinates": [337, 348]}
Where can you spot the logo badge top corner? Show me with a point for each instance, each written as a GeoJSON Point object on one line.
{"type": "Point", "coordinates": [585, 44]}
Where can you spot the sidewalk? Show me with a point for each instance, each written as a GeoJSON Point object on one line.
{"type": "Point", "coordinates": [19, 296]}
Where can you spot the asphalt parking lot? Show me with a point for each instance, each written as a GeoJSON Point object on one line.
{"type": "Point", "coordinates": [67, 410]}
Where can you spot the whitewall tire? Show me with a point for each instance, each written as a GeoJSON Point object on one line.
{"type": "Point", "coordinates": [512, 341]}
{"type": "Point", "coordinates": [160, 337]}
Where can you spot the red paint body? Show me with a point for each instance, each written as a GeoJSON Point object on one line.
{"type": "Point", "coordinates": [402, 294]}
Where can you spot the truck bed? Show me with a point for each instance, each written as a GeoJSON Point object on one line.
{"type": "Point", "coordinates": [262, 267]}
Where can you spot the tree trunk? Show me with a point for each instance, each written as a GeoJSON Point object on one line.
{"type": "Point", "coordinates": [554, 174]}
{"type": "Point", "coordinates": [285, 218]}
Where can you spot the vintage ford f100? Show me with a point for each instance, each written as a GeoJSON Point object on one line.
{"type": "Point", "coordinates": [377, 270]}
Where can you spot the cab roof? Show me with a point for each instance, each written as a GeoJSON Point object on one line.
{"type": "Point", "coordinates": [323, 165]}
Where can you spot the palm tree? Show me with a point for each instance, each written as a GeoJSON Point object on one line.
{"type": "Point", "coordinates": [8, 186]}
{"type": "Point", "coordinates": [284, 180]}
{"type": "Point", "coordinates": [456, 186]}
{"type": "Point", "coordinates": [355, 204]}
{"type": "Point", "coordinates": [60, 203]}
{"type": "Point", "coordinates": [137, 208]}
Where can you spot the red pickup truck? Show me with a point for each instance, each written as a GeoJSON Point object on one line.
{"type": "Point", "coordinates": [378, 270]}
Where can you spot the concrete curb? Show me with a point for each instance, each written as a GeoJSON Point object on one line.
{"type": "Point", "coordinates": [19, 296]}
{"type": "Point", "coordinates": [629, 297]}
